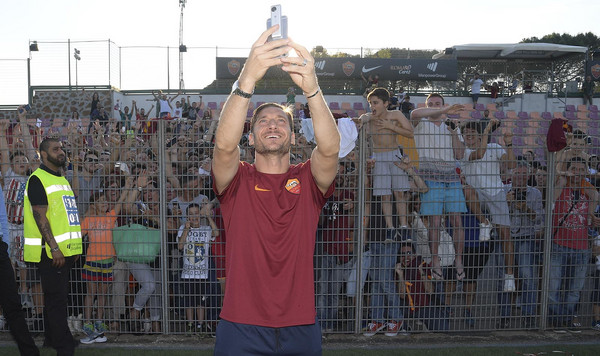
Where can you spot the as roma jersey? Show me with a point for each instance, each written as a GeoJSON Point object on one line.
{"type": "Point", "coordinates": [271, 222]}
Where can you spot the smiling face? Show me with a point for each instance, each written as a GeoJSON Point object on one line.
{"type": "Point", "coordinates": [271, 131]}
{"type": "Point", "coordinates": [193, 215]}
{"type": "Point", "coordinates": [471, 138]}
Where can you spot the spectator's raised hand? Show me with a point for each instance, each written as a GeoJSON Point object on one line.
{"type": "Point", "coordinates": [4, 124]}
{"type": "Point", "coordinates": [207, 209]}
{"type": "Point", "coordinates": [142, 179]}
{"type": "Point", "coordinates": [454, 109]}
{"type": "Point", "coordinates": [508, 137]}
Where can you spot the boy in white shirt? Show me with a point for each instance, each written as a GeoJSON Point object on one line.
{"type": "Point", "coordinates": [194, 242]}
{"type": "Point", "coordinates": [481, 167]}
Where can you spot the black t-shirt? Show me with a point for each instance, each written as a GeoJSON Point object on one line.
{"type": "Point", "coordinates": [35, 190]}
{"type": "Point", "coordinates": [406, 106]}
{"type": "Point", "coordinates": [393, 103]}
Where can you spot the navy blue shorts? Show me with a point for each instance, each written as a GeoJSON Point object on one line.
{"type": "Point", "coordinates": [242, 339]}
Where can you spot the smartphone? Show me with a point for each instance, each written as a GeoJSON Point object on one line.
{"type": "Point", "coordinates": [277, 19]}
{"type": "Point", "coordinates": [25, 108]}
{"type": "Point", "coordinates": [451, 124]}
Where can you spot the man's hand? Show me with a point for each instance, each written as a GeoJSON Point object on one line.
{"type": "Point", "coordinates": [453, 109]}
{"type": "Point", "coordinates": [58, 259]}
{"type": "Point", "coordinates": [263, 56]}
{"type": "Point", "coordinates": [508, 137]}
{"type": "Point", "coordinates": [301, 69]}
{"type": "Point", "coordinates": [492, 124]}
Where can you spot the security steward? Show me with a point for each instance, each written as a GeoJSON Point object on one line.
{"type": "Point", "coordinates": [52, 240]}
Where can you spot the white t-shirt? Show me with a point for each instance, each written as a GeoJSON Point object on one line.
{"type": "Point", "coordinates": [476, 86]}
{"type": "Point", "coordinates": [164, 106]}
{"type": "Point", "coordinates": [484, 174]}
{"type": "Point", "coordinates": [196, 252]}
{"type": "Point", "coordinates": [177, 112]}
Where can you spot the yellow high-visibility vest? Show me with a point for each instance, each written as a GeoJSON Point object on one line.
{"type": "Point", "coordinates": [62, 215]}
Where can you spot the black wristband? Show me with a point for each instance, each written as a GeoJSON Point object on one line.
{"type": "Point", "coordinates": [317, 92]}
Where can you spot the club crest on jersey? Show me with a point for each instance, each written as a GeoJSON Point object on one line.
{"type": "Point", "coordinates": [293, 186]}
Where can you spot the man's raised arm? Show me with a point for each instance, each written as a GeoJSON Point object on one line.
{"type": "Point", "coordinates": [420, 113]}
{"type": "Point", "coordinates": [324, 158]}
{"type": "Point", "coordinates": [226, 154]}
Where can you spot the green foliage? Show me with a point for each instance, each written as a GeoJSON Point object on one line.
{"type": "Point", "coordinates": [587, 39]}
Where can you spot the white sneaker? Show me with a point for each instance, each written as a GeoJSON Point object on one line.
{"type": "Point", "coordinates": [96, 337]}
{"type": "Point", "coordinates": [485, 231]}
{"type": "Point", "coordinates": [147, 326]}
{"type": "Point", "coordinates": [77, 323]}
{"type": "Point", "coordinates": [70, 324]}
{"type": "Point", "coordinates": [509, 283]}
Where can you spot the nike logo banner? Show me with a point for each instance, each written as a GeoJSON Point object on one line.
{"type": "Point", "coordinates": [355, 68]}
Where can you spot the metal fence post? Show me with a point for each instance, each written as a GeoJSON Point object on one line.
{"type": "Point", "coordinates": [362, 173]}
{"type": "Point", "coordinates": [548, 232]}
{"type": "Point", "coordinates": [164, 258]}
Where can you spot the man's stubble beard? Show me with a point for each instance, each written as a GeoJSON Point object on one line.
{"type": "Point", "coordinates": [284, 148]}
{"type": "Point", "coordinates": [57, 162]}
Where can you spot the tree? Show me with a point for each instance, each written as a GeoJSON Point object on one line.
{"type": "Point", "coordinates": [569, 68]}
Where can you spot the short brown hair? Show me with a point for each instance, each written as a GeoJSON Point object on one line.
{"type": "Point", "coordinates": [382, 93]}
{"type": "Point", "coordinates": [435, 95]}
{"type": "Point", "coordinates": [286, 110]}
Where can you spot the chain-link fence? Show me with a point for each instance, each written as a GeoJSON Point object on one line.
{"type": "Point", "coordinates": [431, 232]}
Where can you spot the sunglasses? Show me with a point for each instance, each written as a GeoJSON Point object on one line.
{"type": "Point", "coordinates": [92, 160]}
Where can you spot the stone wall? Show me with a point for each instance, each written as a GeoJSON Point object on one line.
{"type": "Point", "coordinates": [48, 105]}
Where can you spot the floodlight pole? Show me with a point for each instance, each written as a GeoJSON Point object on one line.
{"type": "Point", "coordinates": [181, 45]}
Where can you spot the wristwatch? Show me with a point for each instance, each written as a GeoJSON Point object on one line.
{"type": "Point", "coordinates": [237, 91]}
{"type": "Point", "coordinates": [55, 249]}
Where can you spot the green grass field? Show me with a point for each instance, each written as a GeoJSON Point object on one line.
{"type": "Point", "coordinates": [571, 349]}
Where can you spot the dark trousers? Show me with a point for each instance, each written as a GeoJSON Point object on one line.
{"type": "Point", "coordinates": [55, 284]}
{"type": "Point", "coordinates": [243, 339]}
{"type": "Point", "coordinates": [11, 304]}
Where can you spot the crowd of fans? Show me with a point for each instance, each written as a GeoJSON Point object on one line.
{"type": "Point", "coordinates": [132, 168]}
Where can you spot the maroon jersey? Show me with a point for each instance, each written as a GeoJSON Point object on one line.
{"type": "Point", "coordinates": [271, 222]}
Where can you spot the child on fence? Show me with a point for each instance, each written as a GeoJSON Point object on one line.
{"type": "Point", "coordinates": [99, 259]}
{"type": "Point", "coordinates": [194, 239]}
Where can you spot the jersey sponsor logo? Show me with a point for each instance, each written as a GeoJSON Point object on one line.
{"type": "Point", "coordinates": [367, 70]}
{"type": "Point", "coordinates": [432, 66]}
{"type": "Point", "coordinates": [259, 189]}
{"type": "Point", "coordinates": [293, 186]}
{"type": "Point", "coordinates": [320, 65]}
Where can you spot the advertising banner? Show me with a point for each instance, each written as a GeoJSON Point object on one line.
{"type": "Point", "coordinates": [355, 68]}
